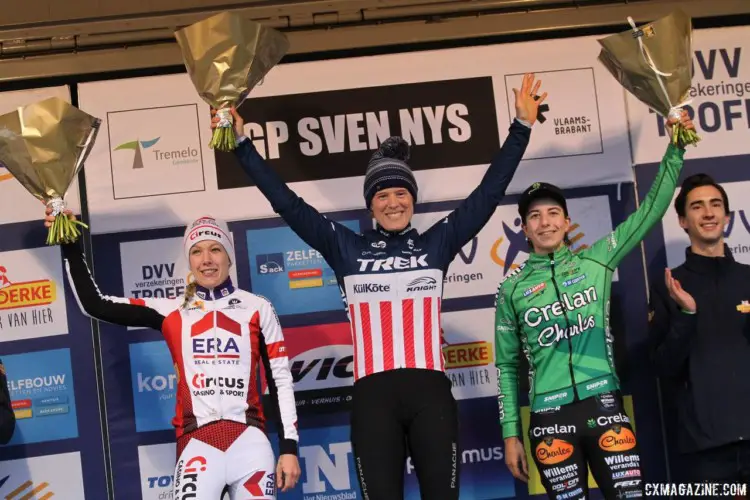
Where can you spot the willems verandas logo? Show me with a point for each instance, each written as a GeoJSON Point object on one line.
{"type": "Point", "coordinates": [179, 157]}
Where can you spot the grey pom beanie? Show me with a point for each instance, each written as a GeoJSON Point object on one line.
{"type": "Point", "coordinates": [388, 169]}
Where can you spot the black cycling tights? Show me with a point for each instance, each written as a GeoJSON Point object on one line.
{"type": "Point", "coordinates": [400, 410]}
{"type": "Point", "coordinates": [594, 432]}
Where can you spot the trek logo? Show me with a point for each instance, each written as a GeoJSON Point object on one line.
{"type": "Point", "coordinates": [270, 263]}
{"type": "Point", "coordinates": [371, 288]}
{"type": "Point", "coordinates": [423, 284]}
{"type": "Point", "coordinates": [392, 263]}
{"type": "Point", "coordinates": [187, 478]}
{"type": "Point", "coordinates": [208, 348]}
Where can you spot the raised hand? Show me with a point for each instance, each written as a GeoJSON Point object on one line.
{"type": "Point", "coordinates": [684, 119]}
{"type": "Point", "coordinates": [50, 219]}
{"type": "Point", "coordinates": [678, 294]}
{"type": "Point", "coordinates": [527, 106]}
{"type": "Point", "coordinates": [239, 123]}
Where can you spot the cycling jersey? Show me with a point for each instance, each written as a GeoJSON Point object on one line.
{"type": "Point", "coordinates": [217, 343]}
{"type": "Point", "coordinates": [555, 307]}
{"type": "Point", "coordinates": [392, 283]}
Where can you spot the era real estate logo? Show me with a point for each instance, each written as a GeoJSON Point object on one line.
{"type": "Point", "coordinates": [155, 151]}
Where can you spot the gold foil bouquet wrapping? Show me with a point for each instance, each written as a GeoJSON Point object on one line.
{"type": "Point", "coordinates": [226, 56]}
{"type": "Point", "coordinates": [44, 145]}
{"type": "Point", "coordinates": [653, 63]}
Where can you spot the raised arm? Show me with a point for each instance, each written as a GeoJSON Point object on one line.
{"type": "Point", "coordinates": [115, 310]}
{"type": "Point", "coordinates": [474, 212]}
{"type": "Point", "coordinates": [610, 250]}
{"type": "Point", "coordinates": [313, 227]}
{"type": "Point", "coordinates": [281, 389]}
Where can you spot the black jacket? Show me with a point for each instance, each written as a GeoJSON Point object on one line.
{"type": "Point", "coordinates": [7, 417]}
{"type": "Point", "coordinates": [704, 358]}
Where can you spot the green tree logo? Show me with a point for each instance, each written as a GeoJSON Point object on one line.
{"type": "Point", "coordinates": [137, 146]}
{"type": "Point", "coordinates": [591, 423]}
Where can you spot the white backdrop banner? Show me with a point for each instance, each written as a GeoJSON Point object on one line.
{"type": "Point", "coordinates": [720, 100]}
{"type": "Point", "coordinates": [12, 193]}
{"type": "Point", "coordinates": [57, 476]}
{"type": "Point", "coordinates": [317, 123]}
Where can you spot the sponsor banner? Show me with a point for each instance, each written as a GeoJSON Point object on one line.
{"type": "Point", "coordinates": [156, 464]}
{"type": "Point", "coordinates": [155, 151]}
{"type": "Point", "coordinates": [469, 352]}
{"type": "Point", "coordinates": [26, 207]}
{"type": "Point", "coordinates": [481, 454]}
{"type": "Point", "coordinates": [327, 462]}
{"type": "Point", "coordinates": [154, 384]}
{"type": "Point", "coordinates": [572, 127]}
{"type": "Point", "coordinates": [293, 276]}
{"type": "Point", "coordinates": [52, 476]}
{"type": "Point", "coordinates": [501, 246]}
{"type": "Point", "coordinates": [156, 269]}
{"type": "Point", "coordinates": [321, 359]}
{"type": "Point", "coordinates": [448, 123]}
{"type": "Point", "coordinates": [610, 440]}
{"type": "Point", "coordinates": [32, 295]}
{"type": "Point", "coordinates": [719, 100]}
{"type": "Point", "coordinates": [736, 232]}
{"type": "Point", "coordinates": [41, 393]}
{"type": "Point", "coordinates": [453, 105]}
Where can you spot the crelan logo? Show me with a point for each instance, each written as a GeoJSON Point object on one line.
{"type": "Point", "coordinates": [137, 146]}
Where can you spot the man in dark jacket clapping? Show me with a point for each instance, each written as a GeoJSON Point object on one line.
{"type": "Point", "coordinates": [700, 329]}
{"type": "Point", "coordinates": [7, 417]}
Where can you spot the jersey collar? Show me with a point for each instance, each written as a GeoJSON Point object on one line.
{"type": "Point", "coordinates": [390, 234]}
{"type": "Point", "coordinates": [545, 259]}
{"type": "Point", "coordinates": [703, 264]}
{"type": "Point", "coordinates": [219, 292]}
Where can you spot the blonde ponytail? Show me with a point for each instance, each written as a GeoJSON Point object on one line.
{"type": "Point", "coordinates": [189, 293]}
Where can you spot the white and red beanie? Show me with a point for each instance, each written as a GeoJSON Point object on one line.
{"type": "Point", "coordinates": [208, 228]}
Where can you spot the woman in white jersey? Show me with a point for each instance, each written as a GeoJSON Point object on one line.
{"type": "Point", "coordinates": [218, 337]}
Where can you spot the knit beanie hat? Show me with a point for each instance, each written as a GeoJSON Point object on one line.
{"type": "Point", "coordinates": [208, 228]}
{"type": "Point", "coordinates": [388, 169]}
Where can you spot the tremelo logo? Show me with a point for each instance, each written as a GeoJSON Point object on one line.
{"type": "Point", "coordinates": [155, 151]}
{"type": "Point", "coordinates": [138, 147]}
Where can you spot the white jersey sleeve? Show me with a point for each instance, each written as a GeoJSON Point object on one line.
{"type": "Point", "coordinates": [279, 376]}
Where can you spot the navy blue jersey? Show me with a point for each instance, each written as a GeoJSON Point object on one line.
{"type": "Point", "coordinates": [392, 283]}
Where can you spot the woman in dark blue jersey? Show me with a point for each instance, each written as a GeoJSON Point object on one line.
{"type": "Point", "coordinates": [392, 281]}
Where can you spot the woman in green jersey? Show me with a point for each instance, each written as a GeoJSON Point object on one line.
{"type": "Point", "coordinates": [555, 308]}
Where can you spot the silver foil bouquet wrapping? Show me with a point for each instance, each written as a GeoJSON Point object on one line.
{"type": "Point", "coordinates": [226, 56]}
{"type": "Point", "coordinates": [43, 145]}
{"type": "Point", "coordinates": [653, 62]}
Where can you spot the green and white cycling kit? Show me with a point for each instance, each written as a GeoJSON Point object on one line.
{"type": "Point", "coordinates": [555, 308]}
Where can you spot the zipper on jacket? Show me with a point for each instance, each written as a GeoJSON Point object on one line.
{"type": "Point", "coordinates": [567, 324]}
{"type": "Point", "coordinates": [220, 411]}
